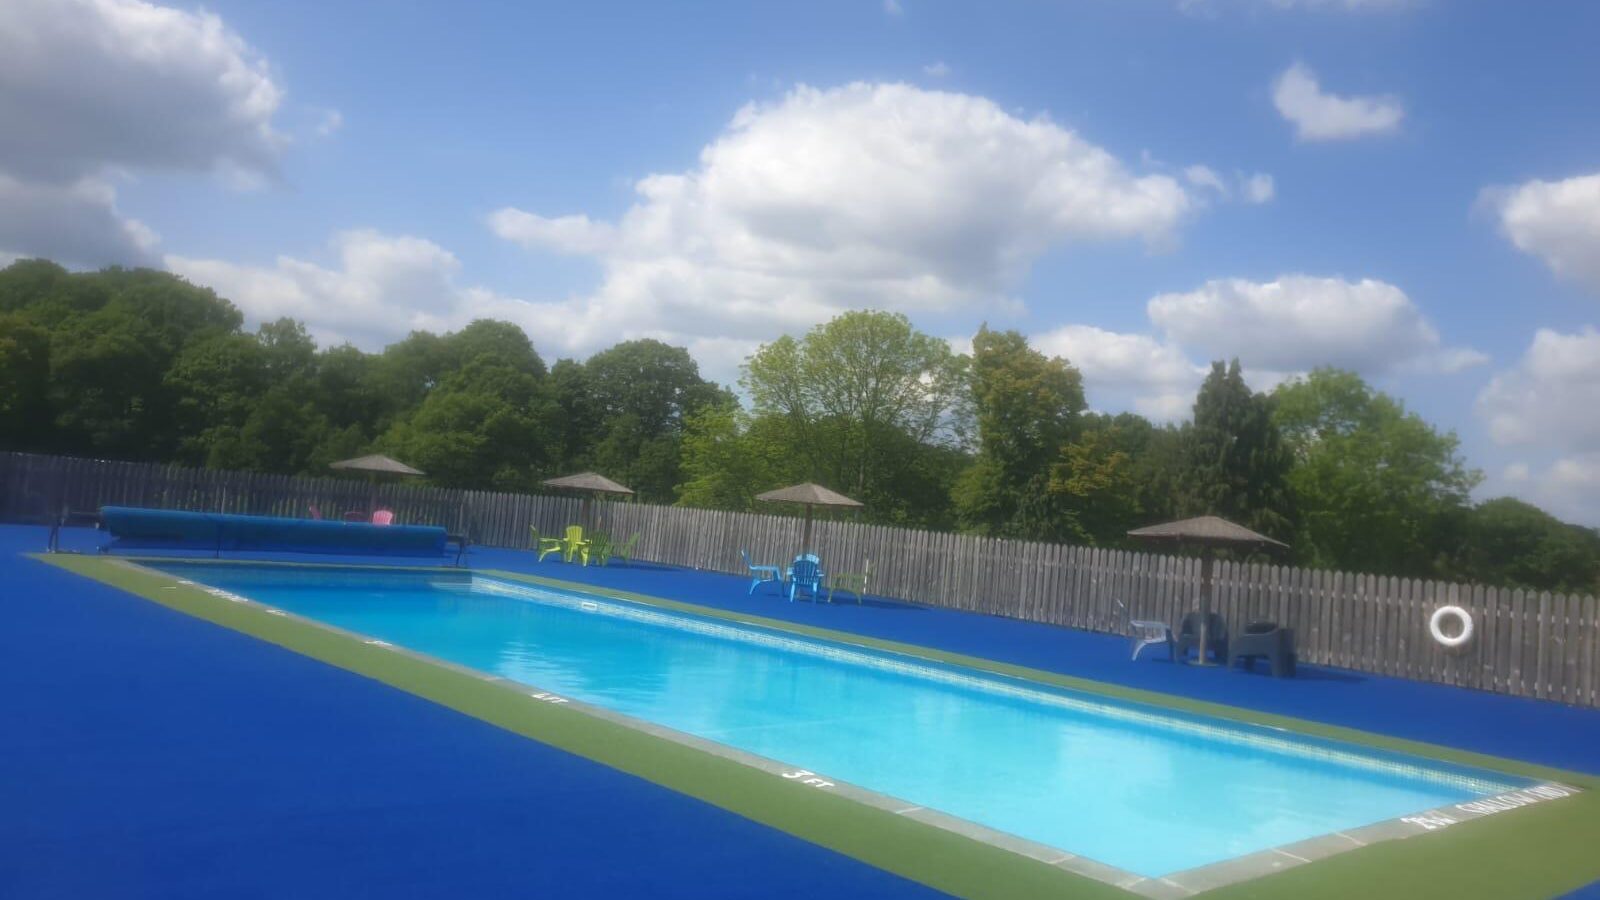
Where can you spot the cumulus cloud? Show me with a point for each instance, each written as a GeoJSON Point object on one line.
{"type": "Point", "coordinates": [868, 195]}
{"type": "Point", "coordinates": [1154, 377]}
{"type": "Point", "coordinates": [1321, 116]}
{"type": "Point", "coordinates": [381, 288]}
{"type": "Point", "coordinates": [128, 83]}
{"type": "Point", "coordinates": [936, 69]}
{"type": "Point", "coordinates": [1557, 221]}
{"type": "Point", "coordinates": [564, 234]}
{"type": "Point", "coordinates": [75, 223]}
{"type": "Point", "coordinates": [1298, 322]}
{"type": "Point", "coordinates": [92, 87]}
{"type": "Point", "coordinates": [1548, 397]}
{"type": "Point", "coordinates": [1544, 403]}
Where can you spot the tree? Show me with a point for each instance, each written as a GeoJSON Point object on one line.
{"type": "Point", "coordinates": [1025, 406]}
{"type": "Point", "coordinates": [480, 428]}
{"type": "Point", "coordinates": [1236, 465]}
{"type": "Point", "coordinates": [216, 382]}
{"type": "Point", "coordinates": [1509, 542]}
{"type": "Point", "coordinates": [848, 392]}
{"type": "Point", "coordinates": [1371, 481]}
{"type": "Point", "coordinates": [634, 398]}
{"type": "Point", "coordinates": [656, 384]}
{"type": "Point", "coordinates": [25, 382]}
{"type": "Point", "coordinates": [728, 458]}
{"type": "Point", "coordinates": [1095, 479]}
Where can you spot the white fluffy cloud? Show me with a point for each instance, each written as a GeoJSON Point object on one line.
{"type": "Point", "coordinates": [1321, 116]}
{"type": "Point", "coordinates": [382, 287]}
{"type": "Point", "coordinates": [89, 87]}
{"type": "Point", "coordinates": [1298, 322]}
{"type": "Point", "coordinates": [564, 234]}
{"type": "Point", "coordinates": [1557, 221]}
{"type": "Point", "coordinates": [868, 195]}
{"type": "Point", "coordinates": [1545, 403]}
{"type": "Point", "coordinates": [1152, 376]}
{"type": "Point", "coordinates": [75, 223]}
{"type": "Point", "coordinates": [1550, 396]}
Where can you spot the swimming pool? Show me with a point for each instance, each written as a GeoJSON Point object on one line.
{"type": "Point", "coordinates": [1137, 788]}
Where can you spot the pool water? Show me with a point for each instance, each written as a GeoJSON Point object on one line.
{"type": "Point", "coordinates": [1134, 787]}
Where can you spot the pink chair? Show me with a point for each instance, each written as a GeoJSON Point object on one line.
{"type": "Point", "coordinates": [315, 513]}
{"type": "Point", "coordinates": [383, 517]}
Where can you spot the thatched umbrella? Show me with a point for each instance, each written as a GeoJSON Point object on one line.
{"type": "Point", "coordinates": [375, 466]}
{"type": "Point", "coordinates": [810, 495]}
{"type": "Point", "coordinates": [589, 484]}
{"type": "Point", "coordinates": [1207, 533]}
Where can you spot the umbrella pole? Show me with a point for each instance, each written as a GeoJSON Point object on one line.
{"type": "Point", "coordinates": [586, 516]}
{"type": "Point", "coordinates": [805, 538]}
{"type": "Point", "coordinates": [1205, 605]}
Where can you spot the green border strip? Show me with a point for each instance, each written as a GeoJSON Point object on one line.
{"type": "Point", "coordinates": [1538, 851]}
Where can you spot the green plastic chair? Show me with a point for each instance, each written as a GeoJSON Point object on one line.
{"type": "Point", "coordinates": [546, 545]}
{"type": "Point", "coordinates": [625, 552]}
{"type": "Point", "coordinates": [599, 549]}
{"type": "Point", "coordinates": [574, 544]}
{"type": "Point", "coordinates": [851, 582]}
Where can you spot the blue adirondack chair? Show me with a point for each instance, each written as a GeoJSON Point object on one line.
{"type": "Point", "coordinates": [806, 572]}
{"type": "Point", "coordinates": [760, 575]}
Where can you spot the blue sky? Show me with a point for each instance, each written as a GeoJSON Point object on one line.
{"type": "Point", "coordinates": [1095, 174]}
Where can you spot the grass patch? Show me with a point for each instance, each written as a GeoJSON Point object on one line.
{"type": "Point", "coordinates": [1538, 851]}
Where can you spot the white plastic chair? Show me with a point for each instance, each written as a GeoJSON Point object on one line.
{"type": "Point", "coordinates": [1145, 633]}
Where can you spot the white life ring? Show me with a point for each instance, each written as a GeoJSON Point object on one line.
{"type": "Point", "coordinates": [1435, 626]}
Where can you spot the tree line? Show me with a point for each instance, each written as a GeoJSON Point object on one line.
{"type": "Point", "coordinates": [141, 365]}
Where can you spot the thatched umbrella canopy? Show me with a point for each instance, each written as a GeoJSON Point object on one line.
{"type": "Point", "coordinates": [589, 484]}
{"type": "Point", "coordinates": [1206, 533]}
{"type": "Point", "coordinates": [376, 466]}
{"type": "Point", "coordinates": [810, 495]}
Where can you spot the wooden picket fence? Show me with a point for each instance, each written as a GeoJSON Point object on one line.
{"type": "Point", "coordinates": [1527, 643]}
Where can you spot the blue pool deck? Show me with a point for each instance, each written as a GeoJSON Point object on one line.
{"type": "Point", "coordinates": [150, 754]}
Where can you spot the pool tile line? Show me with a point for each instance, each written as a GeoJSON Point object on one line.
{"type": "Point", "coordinates": [1167, 887]}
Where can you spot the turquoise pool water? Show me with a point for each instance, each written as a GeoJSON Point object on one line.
{"type": "Point", "coordinates": [1130, 786]}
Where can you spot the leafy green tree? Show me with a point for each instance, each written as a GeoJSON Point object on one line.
{"type": "Point", "coordinates": [282, 434]}
{"type": "Point", "coordinates": [633, 399]}
{"type": "Point", "coordinates": [1095, 479]}
{"type": "Point", "coordinates": [854, 393]}
{"type": "Point", "coordinates": [1371, 481]}
{"type": "Point", "coordinates": [106, 387]}
{"type": "Point", "coordinates": [1509, 542]}
{"type": "Point", "coordinates": [1236, 464]}
{"type": "Point", "coordinates": [480, 428]}
{"type": "Point", "coordinates": [1025, 406]}
{"type": "Point", "coordinates": [216, 382]}
{"type": "Point", "coordinates": [343, 388]}
{"type": "Point", "coordinates": [287, 351]}
{"type": "Point", "coordinates": [656, 384]}
{"type": "Point", "coordinates": [578, 416]}
{"type": "Point", "coordinates": [728, 458]}
{"type": "Point", "coordinates": [25, 383]}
